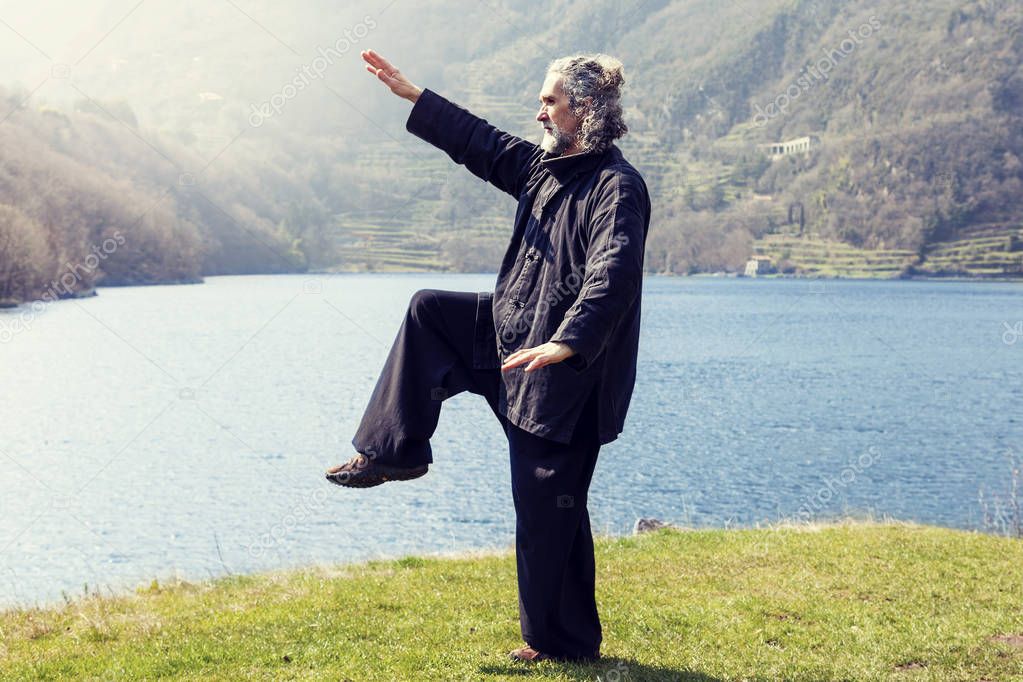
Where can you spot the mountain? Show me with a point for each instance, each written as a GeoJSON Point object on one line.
{"type": "Point", "coordinates": [913, 110]}
{"type": "Point", "coordinates": [271, 149]}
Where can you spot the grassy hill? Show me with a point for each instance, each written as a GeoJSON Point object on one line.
{"type": "Point", "coordinates": [851, 601]}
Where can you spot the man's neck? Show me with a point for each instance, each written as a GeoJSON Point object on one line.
{"type": "Point", "coordinates": [571, 151]}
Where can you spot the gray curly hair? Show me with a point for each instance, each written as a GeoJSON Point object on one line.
{"type": "Point", "coordinates": [601, 77]}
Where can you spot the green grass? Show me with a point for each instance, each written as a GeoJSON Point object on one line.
{"type": "Point", "coordinates": [850, 601]}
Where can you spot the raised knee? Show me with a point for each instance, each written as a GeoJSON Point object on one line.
{"type": "Point", "coordinates": [421, 304]}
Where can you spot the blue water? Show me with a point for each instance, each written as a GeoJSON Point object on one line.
{"type": "Point", "coordinates": [183, 431]}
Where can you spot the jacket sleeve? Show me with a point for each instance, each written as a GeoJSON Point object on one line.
{"type": "Point", "coordinates": [491, 154]}
{"type": "Point", "coordinates": [614, 270]}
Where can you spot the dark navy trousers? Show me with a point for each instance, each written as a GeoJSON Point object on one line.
{"type": "Point", "coordinates": [432, 359]}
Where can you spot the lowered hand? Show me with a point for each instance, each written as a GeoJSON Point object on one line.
{"type": "Point", "coordinates": [538, 356]}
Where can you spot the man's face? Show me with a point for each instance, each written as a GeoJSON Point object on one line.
{"type": "Point", "coordinates": [560, 125]}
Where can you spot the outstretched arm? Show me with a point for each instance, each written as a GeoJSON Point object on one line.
{"type": "Point", "coordinates": [490, 154]}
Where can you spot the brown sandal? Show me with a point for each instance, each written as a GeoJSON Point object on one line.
{"type": "Point", "coordinates": [362, 472]}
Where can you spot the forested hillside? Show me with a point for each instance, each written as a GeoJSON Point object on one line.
{"type": "Point", "coordinates": [266, 148]}
{"type": "Point", "coordinates": [148, 209]}
{"type": "Point", "coordinates": [917, 106]}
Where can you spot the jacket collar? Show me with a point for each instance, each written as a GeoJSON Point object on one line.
{"type": "Point", "coordinates": [564, 168]}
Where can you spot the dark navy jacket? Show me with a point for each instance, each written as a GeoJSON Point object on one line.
{"type": "Point", "coordinates": [573, 271]}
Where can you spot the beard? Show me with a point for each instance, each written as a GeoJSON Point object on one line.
{"type": "Point", "coordinates": [556, 141]}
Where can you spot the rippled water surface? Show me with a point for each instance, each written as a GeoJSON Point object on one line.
{"type": "Point", "coordinates": [183, 430]}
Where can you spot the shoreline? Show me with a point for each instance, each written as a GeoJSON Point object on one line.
{"type": "Point", "coordinates": [11, 305]}
{"type": "Point", "coordinates": [131, 587]}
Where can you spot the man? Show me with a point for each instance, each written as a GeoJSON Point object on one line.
{"type": "Point", "coordinates": [552, 349]}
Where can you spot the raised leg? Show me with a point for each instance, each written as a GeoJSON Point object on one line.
{"type": "Point", "coordinates": [430, 360]}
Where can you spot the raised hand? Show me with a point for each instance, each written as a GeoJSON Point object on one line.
{"type": "Point", "coordinates": [390, 76]}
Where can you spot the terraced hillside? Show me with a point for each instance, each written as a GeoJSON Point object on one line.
{"type": "Point", "coordinates": [917, 120]}
{"type": "Point", "coordinates": [990, 250]}
{"type": "Point", "coordinates": [407, 233]}
{"type": "Point", "coordinates": [822, 258]}
{"type": "Point", "coordinates": [400, 235]}
{"type": "Point", "coordinates": [917, 127]}
{"type": "Point", "coordinates": [994, 250]}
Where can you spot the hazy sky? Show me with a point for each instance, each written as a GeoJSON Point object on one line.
{"type": "Point", "coordinates": [203, 68]}
{"type": "Point", "coordinates": [186, 60]}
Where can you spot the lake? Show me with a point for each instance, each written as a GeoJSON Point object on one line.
{"type": "Point", "coordinates": [153, 432]}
